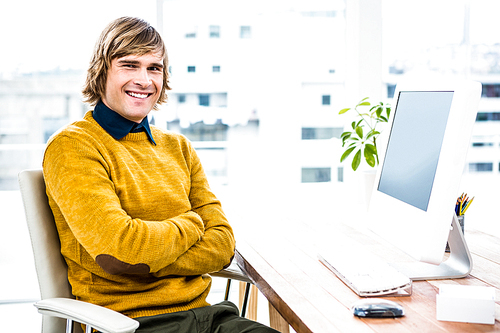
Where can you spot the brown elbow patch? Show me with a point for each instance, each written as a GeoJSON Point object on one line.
{"type": "Point", "coordinates": [114, 266]}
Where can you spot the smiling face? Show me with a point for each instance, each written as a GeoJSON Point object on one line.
{"type": "Point", "coordinates": [133, 85]}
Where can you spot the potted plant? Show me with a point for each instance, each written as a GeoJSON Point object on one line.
{"type": "Point", "coordinates": [362, 139]}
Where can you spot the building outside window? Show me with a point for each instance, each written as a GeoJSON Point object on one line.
{"type": "Point", "coordinates": [482, 144]}
{"type": "Point", "coordinates": [203, 132]}
{"type": "Point", "coordinates": [488, 116]}
{"type": "Point", "coordinates": [214, 31]}
{"type": "Point", "coordinates": [481, 167]}
{"type": "Point", "coordinates": [325, 99]}
{"type": "Point", "coordinates": [391, 88]}
{"type": "Point", "coordinates": [204, 99]}
{"type": "Point", "coordinates": [245, 31]}
{"type": "Point", "coordinates": [321, 133]}
{"type": "Point", "coordinates": [316, 175]}
{"type": "Point", "coordinates": [191, 32]}
{"type": "Point", "coordinates": [491, 90]}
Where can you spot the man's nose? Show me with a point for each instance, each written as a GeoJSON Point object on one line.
{"type": "Point", "coordinates": [142, 78]}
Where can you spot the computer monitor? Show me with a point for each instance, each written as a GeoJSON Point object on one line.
{"type": "Point", "coordinates": [422, 158]}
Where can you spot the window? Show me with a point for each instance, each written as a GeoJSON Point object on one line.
{"type": "Point", "coordinates": [340, 174]}
{"type": "Point", "coordinates": [488, 116]}
{"type": "Point", "coordinates": [482, 144]}
{"type": "Point", "coordinates": [321, 133]}
{"type": "Point", "coordinates": [480, 167]}
{"type": "Point", "coordinates": [202, 132]}
{"type": "Point", "coordinates": [204, 99]}
{"type": "Point", "coordinates": [245, 31]}
{"type": "Point", "coordinates": [316, 175]}
{"type": "Point", "coordinates": [191, 32]}
{"type": "Point", "coordinates": [391, 89]}
{"type": "Point", "coordinates": [191, 69]}
{"type": "Point", "coordinates": [491, 90]}
{"type": "Point", "coordinates": [216, 69]}
{"type": "Point", "coordinates": [214, 31]}
{"type": "Point", "coordinates": [181, 98]}
{"type": "Point", "coordinates": [325, 99]}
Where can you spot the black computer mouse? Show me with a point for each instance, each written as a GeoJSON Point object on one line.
{"type": "Point", "coordinates": [377, 308]}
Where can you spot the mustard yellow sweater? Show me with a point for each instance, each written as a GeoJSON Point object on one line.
{"type": "Point", "coordinates": [138, 224]}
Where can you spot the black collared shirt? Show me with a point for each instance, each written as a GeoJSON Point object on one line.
{"type": "Point", "coordinates": [116, 125]}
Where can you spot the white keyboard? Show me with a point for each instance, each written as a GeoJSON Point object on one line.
{"type": "Point", "coordinates": [366, 274]}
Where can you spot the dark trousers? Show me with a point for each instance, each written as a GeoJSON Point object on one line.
{"type": "Point", "coordinates": [219, 318]}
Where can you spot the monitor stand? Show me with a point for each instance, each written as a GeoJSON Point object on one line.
{"type": "Point", "coordinates": [458, 264]}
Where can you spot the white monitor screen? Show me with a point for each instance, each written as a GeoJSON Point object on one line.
{"type": "Point", "coordinates": [411, 158]}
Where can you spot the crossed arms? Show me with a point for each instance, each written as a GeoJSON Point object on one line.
{"type": "Point", "coordinates": [135, 217]}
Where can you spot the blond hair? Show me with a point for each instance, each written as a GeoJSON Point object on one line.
{"type": "Point", "coordinates": [122, 37]}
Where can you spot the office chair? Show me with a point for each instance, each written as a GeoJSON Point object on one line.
{"type": "Point", "coordinates": [62, 312]}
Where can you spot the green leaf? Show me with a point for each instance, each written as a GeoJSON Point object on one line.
{"type": "Point", "coordinates": [371, 149]}
{"type": "Point", "coordinates": [356, 160]}
{"type": "Point", "coordinates": [370, 160]}
{"type": "Point", "coordinates": [353, 125]}
{"type": "Point", "coordinates": [375, 108]}
{"type": "Point", "coordinates": [345, 138]}
{"type": "Point", "coordinates": [363, 102]}
{"type": "Point", "coordinates": [346, 134]}
{"type": "Point", "coordinates": [344, 110]}
{"type": "Point", "coordinates": [370, 154]}
{"type": "Point", "coordinates": [346, 153]}
{"type": "Point", "coordinates": [372, 133]}
{"type": "Point", "coordinates": [359, 131]}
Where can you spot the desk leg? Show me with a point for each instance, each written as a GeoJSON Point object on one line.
{"type": "Point", "coordinates": [276, 321]}
{"type": "Point", "coordinates": [252, 303]}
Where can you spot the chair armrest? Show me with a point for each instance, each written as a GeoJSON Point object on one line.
{"type": "Point", "coordinates": [98, 317]}
{"type": "Point", "coordinates": [232, 272]}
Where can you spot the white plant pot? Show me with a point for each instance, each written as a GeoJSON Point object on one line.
{"type": "Point", "coordinates": [368, 180]}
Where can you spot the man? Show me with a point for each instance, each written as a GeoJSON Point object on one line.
{"type": "Point", "coordinates": [138, 224]}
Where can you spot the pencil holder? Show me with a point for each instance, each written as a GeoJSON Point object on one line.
{"type": "Point", "coordinates": [461, 222]}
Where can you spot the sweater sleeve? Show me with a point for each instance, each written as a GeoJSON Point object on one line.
{"type": "Point", "coordinates": [80, 188]}
{"type": "Point", "coordinates": [215, 250]}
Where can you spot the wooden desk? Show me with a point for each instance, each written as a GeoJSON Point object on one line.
{"type": "Point", "coordinates": [280, 257]}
